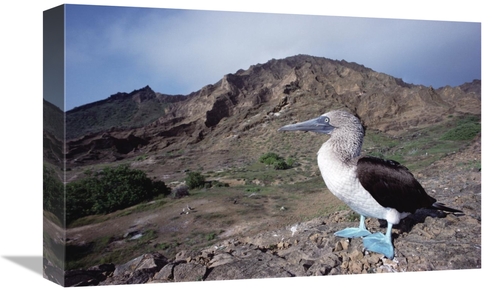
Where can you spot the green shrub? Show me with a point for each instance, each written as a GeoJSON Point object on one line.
{"type": "Point", "coordinates": [195, 180]}
{"type": "Point", "coordinates": [270, 158]}
{"type": "Point", "coordinates": [280, 165]}
{"type": "Point", "coordinates": [278, 162]}
{"type": "Point", "coordinates": [109, 190]}
{"type": "Point", "coordinates": [290, 162]}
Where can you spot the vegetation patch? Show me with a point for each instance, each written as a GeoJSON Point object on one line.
{"type": "Point", "coordinates": [195, 180]}
{"type": "Point", "coordinates": [276, 161]}
{"type": "Point", "coordinates": [466, 129]}
{"type": "Point", "coordinates": [418, 148]}
{"type": "Point", "coordinates": [110, 190]}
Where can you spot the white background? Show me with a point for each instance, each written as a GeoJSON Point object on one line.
{"type": "Point", "coordinates": [21, 138]}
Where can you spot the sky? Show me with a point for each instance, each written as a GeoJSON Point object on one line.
{"type": "Point", "coordinates": [113, 49]}
{"type": "Point", "coordinates": [22, 126]}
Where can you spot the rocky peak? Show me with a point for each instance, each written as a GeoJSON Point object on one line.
{"type": "Point", "coordinates": [142, 94]}
{"type": "Point", "coordinates": [299, 86]}
{"type": "Point", "coordinates": [472, 87]}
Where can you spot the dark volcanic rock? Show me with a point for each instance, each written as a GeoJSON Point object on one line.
{"type": "Point", "coordinates": [90, 277]}
{"type": "Point", "coordinates": [139, 270]}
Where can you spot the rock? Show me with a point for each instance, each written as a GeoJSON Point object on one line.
{"type": "Point", "coordinates": [259, 265]}
{"type": "Point", "coordinates": [181, 256]}
{"type": "Point", "coordinates": [355, 267]}
{"type": "Point", "coordinates": [319, 270]}
{"type": "Point", "coordinates": [89, 277]}
{"type": "Point", "coordinates": [189, 272]}
{"type": "Point", "coordinates": [221, 259]}
{"type": "Point", "coordinates": [341, 245]}
{"type": "Point", "coordinates": [355, 255]}
{"type": "Point", "coordinates": [373, 258]}
{"type": "Point", "coordinates": [166, 274]}
{"type": "Point", "coordinates": [345, 244]}
{"type": "Point", "coordinates": [139, 270]}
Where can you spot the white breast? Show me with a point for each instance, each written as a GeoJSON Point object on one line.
{"type": "Point", "coordinates": [341, 180]}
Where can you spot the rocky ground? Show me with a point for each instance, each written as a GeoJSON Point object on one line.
{"type": "Point", "coordinates": [425, 241]}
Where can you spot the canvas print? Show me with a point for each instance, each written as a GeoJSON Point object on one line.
{"type": "Point", "coordinates": [189, 145]}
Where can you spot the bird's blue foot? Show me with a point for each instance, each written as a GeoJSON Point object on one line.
{"type": "Point", "coordinates": [379, 243]}
{"type": "Point", "coordinates": [352, 232]}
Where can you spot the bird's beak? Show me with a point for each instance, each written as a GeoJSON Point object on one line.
{"type": "Point", "coordinates": [318, 125]}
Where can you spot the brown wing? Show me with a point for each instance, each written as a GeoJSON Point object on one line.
{"type": "Point", "coordinates": [392, 185]}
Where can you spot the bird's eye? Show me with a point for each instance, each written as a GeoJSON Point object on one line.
{"type": "Point", "coordinates": [326, 120]}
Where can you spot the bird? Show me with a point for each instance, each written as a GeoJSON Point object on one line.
{"type": "Point", "coordinates": [370, 186]}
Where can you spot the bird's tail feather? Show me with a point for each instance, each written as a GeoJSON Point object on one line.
{"type": "Point", "coordinates": [441, 206]}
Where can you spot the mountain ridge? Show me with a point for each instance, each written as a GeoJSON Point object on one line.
{"type": "Point", "coordinates": [251, 102]}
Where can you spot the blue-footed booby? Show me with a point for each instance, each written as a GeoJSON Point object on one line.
{"type": "Point", "coordinates": [370, 186]}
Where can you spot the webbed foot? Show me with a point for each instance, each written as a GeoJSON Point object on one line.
{"type": "Point", "coordinates": [379, 243]}
{"type": "Point", "coordinates": [352, 232]}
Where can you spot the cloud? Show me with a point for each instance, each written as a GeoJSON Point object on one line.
{"type": "Point", "coordinates": [179, 51]}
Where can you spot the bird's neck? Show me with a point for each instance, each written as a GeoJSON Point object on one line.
{"type": "Point", "coordinates": [344, 146]}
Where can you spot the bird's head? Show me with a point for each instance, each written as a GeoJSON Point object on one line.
{"type": "Point", "coordinates": [345, 130]}
{"type": "Point", "coordinates": [327, 123]}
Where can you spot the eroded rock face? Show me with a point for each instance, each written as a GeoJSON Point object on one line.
{"type": "Point", "coordinates": [297, 87]}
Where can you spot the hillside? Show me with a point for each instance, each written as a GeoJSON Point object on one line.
{"type": "Point", "coordinates": [236, 234]}
{"type": "Point", "coordinates": [237, 117]}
